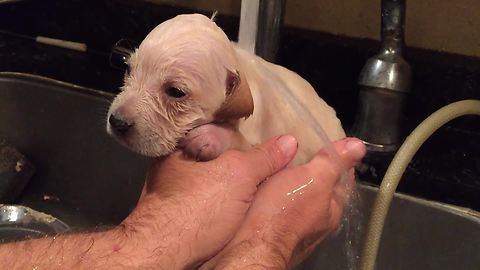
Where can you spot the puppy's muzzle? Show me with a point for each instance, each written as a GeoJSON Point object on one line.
{"type": "Point", "coordinates": [119, 125]}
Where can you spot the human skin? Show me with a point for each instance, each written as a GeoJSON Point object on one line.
{"type": "Point", "coordinates": [191, 211]}
{"type": "Point", "coordinates": [293, 211]}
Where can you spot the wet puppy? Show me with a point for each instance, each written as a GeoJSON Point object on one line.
{"type": "Point", "coordinates": [190, 87]}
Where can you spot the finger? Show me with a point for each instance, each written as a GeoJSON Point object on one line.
{"type": "Point", "coordinates": [156, 166]}
{"type": "Point", "coordinates": [349, 152]}
{"type": "Point", "coordinates": [266, 159]}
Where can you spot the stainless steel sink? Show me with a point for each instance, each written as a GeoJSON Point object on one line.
{"type": "Point", "coordinates": [86, 179]}
{"type": "Point", "coordinates": [418, 234]}
{"type": "Point", "coordinates": [82, 176]}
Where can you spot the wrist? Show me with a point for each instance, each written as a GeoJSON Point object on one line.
{"type": "Point", "coordinates": [154, 234]}
{"type": "Point", "coordinates": [253, 254]}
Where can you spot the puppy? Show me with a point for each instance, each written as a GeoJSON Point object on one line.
{"type": "Point", "coordinates": [190, 87]}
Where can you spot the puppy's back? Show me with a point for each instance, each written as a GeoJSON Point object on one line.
{"type": "Point", "coordinates": [286, 103]}
{"type": "Point", "coordinates": [306, 95]}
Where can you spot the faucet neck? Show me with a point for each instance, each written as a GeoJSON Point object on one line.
{"type": "Point", "coordinates": [393, 24]}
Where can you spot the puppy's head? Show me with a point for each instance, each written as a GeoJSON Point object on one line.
{"type": "Point", "coordinates": [184, 74]}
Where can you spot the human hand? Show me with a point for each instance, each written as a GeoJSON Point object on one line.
{"type": "Point", "coordinates": [292, 212]}
{"type": "Point", "coordinates": [190, 210]}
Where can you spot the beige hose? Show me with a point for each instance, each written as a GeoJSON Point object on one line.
{"type": "Point", "coordinates": [397, 168]}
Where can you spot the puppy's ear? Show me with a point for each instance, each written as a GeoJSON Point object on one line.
{"type": "Point", "coordinates": [238, 101]}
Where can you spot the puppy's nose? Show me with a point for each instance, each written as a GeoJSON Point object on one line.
{"type": "Point", "coordinates": [119, 125]}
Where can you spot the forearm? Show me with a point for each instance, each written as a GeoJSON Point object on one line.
{"type": "Point", "coordinates": [127, 246]}
{"type": "Point", "coordinates": [107, 250]}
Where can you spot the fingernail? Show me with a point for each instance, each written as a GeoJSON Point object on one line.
{"type": "Point", "coordinates": [356, 148]}
{"type": "Point", "coordinates": [287, 144]}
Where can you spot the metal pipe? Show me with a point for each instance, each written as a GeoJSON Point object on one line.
{"type": "Point", "coordinates": [393, 22]}
{"type": "Point", "coordinates": [271, 15]}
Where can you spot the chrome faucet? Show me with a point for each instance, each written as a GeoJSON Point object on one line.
{"type": "Point", "coordinates": [260, 26]}
{"type": "Point", "coordinates": [271, 14]}
{"type": "Point", "coordinates": [385, 82]}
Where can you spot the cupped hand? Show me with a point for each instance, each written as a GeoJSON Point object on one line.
{"type": "Point", "coordinates": [190, 210]}
{"type": "Point", "coordinates": [293, 211]}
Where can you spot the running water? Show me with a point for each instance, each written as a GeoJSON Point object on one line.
{"type": "Point", "coordinates": [352, 215]}
{"type": "Point", "coordinates": [247, 34]}
{"type": "Point", "coordinates": [352, 225]}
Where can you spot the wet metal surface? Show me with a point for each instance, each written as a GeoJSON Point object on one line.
{"type": "Point", "coordinates": [82, 176]}
{"type": "Point", "coordinates": [418, 235]}
{"type": "Point", "coordinates": [19, 222]}
{"type": "Point", "coordinates": [446, 168]}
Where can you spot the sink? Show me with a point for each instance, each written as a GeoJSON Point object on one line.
{"type": "Point", "coordinates": [85, 179]}
{"type": "Point", "coordinates": [82, 177]}
{"type": "Point", "coordinates": [418, 234]}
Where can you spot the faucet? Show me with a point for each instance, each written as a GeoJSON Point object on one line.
{"type": "Point", "coordinates": [271, 14]}
{"type": "Point", "coordinates": [385, 82]}
{"type": "Point", "coordinates": [260, 26]}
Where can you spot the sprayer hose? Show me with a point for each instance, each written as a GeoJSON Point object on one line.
{"type": "Point", "coordinates": [397, 168]}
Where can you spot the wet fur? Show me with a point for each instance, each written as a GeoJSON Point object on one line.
{"type": "Point", "coordinates": [191, 53]}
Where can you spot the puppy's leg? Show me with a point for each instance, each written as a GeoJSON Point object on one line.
{"type": "Point", "coordinates": [208, 141]}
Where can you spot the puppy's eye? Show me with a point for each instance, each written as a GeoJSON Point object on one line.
{"type": "Point", "coordinates": [175, 92]}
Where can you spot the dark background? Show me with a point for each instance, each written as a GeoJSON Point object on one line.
{"type": "Point", "coordinates": [447, 167]}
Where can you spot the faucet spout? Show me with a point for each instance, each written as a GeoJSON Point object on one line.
{"type": "Point", "coordinates": [384, 81]}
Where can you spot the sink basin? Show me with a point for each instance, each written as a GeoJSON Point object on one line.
{"type": "Point", "coordinates": [418, 235]}
{"type": "Point", "coordinates": [83, 177]}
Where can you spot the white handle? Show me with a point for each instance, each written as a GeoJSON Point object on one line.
{"type": "Point", "coordinates": [82, 47]}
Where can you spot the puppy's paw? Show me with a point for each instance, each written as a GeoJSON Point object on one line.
{"type": "Point", "coordinates": [207, 142]}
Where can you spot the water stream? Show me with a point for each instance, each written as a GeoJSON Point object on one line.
{"type": "Point", "coordinates": [352, 225]}
{"type": "Point", "coordinates": [247, 34]}
{"type": "Point", "coordinates": [352, 216]}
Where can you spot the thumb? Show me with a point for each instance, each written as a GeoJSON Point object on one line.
{"type": "Point", "coordinates": [267, 158]}
{"type": "Point", "coordinates": [351, 151]}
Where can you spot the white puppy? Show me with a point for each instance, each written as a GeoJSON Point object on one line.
{"type": "Point", "coordinates": [189, 86]}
